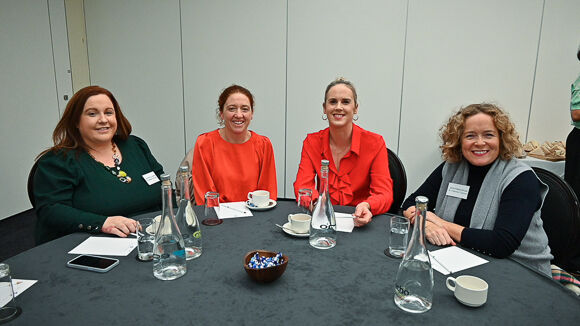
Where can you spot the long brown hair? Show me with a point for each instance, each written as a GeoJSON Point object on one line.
{"type": "Point", "coordinates": [66, 135]}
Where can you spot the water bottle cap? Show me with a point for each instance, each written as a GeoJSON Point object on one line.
{"type": "Point", "coordinates": [325, 162]}
{"type": "Point", "coordinates": [421, 199]}
{"type": "Point", "coordinates": [184, 168]}
{"type": "Point", "coordinates": [165, 177]}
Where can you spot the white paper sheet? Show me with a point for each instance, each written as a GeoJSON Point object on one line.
{"type": "Point", "coordinates": [344, 222]}
{"type": "Point", "coordinates": [18, 285]}
{"type": "Point", "coordinates": [233, 210]}
{"type": "Point", "coordinates": [106, 246]}
{"type": "Point", "coordinates": [453, 259]}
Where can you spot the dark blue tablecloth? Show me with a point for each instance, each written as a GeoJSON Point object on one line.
{"type": "Point", "coordinates": [351, 284]}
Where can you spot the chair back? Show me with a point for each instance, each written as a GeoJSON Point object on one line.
{"type": "Point", "coordinates": [399, 177]}
{"type": "Point", "coordinates": [30, 185]}
{"type": "Point", "coordinates": [561, 219]}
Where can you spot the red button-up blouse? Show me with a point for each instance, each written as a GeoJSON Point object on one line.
{"type": "Point", "coordinates": [364, 171]}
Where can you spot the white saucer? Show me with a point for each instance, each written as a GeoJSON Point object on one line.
{"type": "Point", "coordinates": [271, 204]}
{"type": "Point", "coordinates": [289, 231]}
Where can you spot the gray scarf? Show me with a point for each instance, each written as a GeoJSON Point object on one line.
{"type": "Point", "coordinates": [533, 250]}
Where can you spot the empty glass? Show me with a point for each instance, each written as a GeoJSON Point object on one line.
{"type": "Point", "coordinates": [305, 201]}
{"type": "Point", "coordinates": [212, 202]}
{"type": "Point", "coordinates": [8, 310]}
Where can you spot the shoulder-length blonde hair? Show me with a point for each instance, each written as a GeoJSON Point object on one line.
{"type": "Point", "coordinates": [452, 132]}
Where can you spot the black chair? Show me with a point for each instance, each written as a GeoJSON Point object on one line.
{"type": "Point", "coordinates": [30, 186]}
{"type": "Point", "coordinates": [561, 218]}
{"type": "Point", "coordinates": [399, 182]}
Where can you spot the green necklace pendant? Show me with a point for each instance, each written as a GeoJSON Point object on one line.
{"type": "Point", "coordinates": [116, 170]}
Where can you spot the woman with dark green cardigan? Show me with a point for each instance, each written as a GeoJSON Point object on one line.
{"type": "Point", "coordinates": [96, 176]}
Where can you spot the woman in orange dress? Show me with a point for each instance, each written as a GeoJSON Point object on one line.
{"type": "Point", "coordinates": [233, 160]}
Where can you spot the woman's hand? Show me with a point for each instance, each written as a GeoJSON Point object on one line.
{"type": "Point", "coordinates": [436, 232]}
{"type": "Point", "coordinates": [410, 214]}
{"type": "Point", "coordinates": [362, 214]}
{"type": "Point", "coordinates": [119, 226]}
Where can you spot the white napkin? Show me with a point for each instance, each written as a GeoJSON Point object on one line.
{"type": "Point", "coordinates": [344, 222]}
{"type": "Point", "coordinates": [233, 210]}
{"type": "Point", "coordinates": [453, 259]}
{"type": "Point", "coordinates": [106, 246]}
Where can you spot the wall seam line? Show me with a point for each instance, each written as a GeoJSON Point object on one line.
{"type": "Point", "coordinates": [535, 71]}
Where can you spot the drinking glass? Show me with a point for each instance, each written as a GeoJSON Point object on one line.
{"type": "Point", "coordinates": [305, 201]}
{"type": "Point", "coordinates": [8, 308]}
{"type": "Point", "coordinates": [145, 238]}
{"type": "Point", "coordinates": [212, 202]}
{"type": "Point", "coordinates": [398, 236]}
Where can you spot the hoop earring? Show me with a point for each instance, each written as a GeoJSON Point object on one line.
{"type": "Point", "coordinates": [324, 117]}
{"type": "Point", "coordinates": [355, 118]}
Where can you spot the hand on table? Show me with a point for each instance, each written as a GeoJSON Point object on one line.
{"type": "Point", "coordinates": [436, 233]}
{"type": "Point", "coordinates": [362, 214]}
{"type": "Point", "coordinates": [119, 226]}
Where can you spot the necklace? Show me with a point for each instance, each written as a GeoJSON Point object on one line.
{"type": "Point", "coordinates": [116, 170]}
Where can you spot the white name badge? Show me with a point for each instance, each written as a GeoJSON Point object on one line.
{"type": "Point", "coordinates": [457, 190]}
{"type": "Point", "coordinates": [151, 178]}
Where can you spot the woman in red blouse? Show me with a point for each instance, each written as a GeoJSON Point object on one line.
{"type": "Point", "coordinates": [233, 160]}
{"type": "Point", "coordinates": [359, 165]}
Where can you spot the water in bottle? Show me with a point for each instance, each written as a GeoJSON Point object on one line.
{"type": "Point", "coordinates": [414, 283]}
{"type": "Point", "coordinates": [169, 251]}
{"type": "Point", "coordinates": [323, 222]}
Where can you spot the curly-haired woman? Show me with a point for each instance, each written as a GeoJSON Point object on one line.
{"type": "Point", "coordinates": [484, 198]}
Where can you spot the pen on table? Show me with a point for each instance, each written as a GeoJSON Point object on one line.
{"type": "Point", "coordinates": [234, 209]}
{"type": "Point", "coordinates": [440, 264]}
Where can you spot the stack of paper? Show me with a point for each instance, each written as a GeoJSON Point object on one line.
{"type": "Point", "coordinates": [453, 259]}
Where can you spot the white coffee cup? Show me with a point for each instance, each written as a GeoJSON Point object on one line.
{"type": "Point", "coordinates": [259, 198]}
{"type": "Point", "coordinates": [469, 290]}
{"type": "Point", "coordinates": [299, 223]}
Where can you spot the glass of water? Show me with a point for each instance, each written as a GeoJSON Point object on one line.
{"type": "Point", "coordinates": [8, 308]}
{"type": "Point", "coordinates": [145, 238]}
{"type": "Point", "coordinates": [305, 201]}
{"type": "Point", "coordinates": [398, 236]}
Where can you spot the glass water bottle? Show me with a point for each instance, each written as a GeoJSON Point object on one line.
{"type": "Point", "coordinates": [186, 219]}
{"type": "Point", "coordinates": [323, 222]}
{"type": "Point", "coordinates": [169, 250]}
{"type": "Point", "coordinates": [414, 283]}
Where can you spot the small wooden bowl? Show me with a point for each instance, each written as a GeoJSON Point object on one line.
{"type": "Point", "coordinates": [268, 274]}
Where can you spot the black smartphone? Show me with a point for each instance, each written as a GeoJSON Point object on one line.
{"type": "Point", "coordinates": [93, 263]}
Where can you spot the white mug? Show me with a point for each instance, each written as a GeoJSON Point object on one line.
{"type": "Point", "coordinates": [259, 198]}
{"type": "Point", "coordinates": [299, 223]}
{"type": "Point", "coordinates": [469, 290]}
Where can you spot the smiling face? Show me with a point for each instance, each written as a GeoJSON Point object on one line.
{"type": "Point", "coordinates": [237, 114]}
{"type": "Point", "coordinates": [340, 106]}
{"type": "Point", "coordinates": [480, 142]}
{"type": "Point", "coordinates": [98, 123]}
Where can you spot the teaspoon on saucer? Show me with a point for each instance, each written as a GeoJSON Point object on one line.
{"type": "Point", "coordinates": [287, 229]}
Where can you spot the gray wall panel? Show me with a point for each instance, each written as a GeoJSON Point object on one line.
{"type": "Point", "coordinates": [458, 53]}
{"type": "Point", "coordinates": [134, 51]}
{"type": "Point", "coordinates": [558, 67]}
{"type": "Point", "coordinates": [29, 97]}
{"type": "Point", "coordinates": [241, 42]}
{"type": "Point", "coordinates": [330, 39]}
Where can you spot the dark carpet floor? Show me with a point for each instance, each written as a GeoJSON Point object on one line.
{"type": "Point", "coordinates": [17, 234]}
